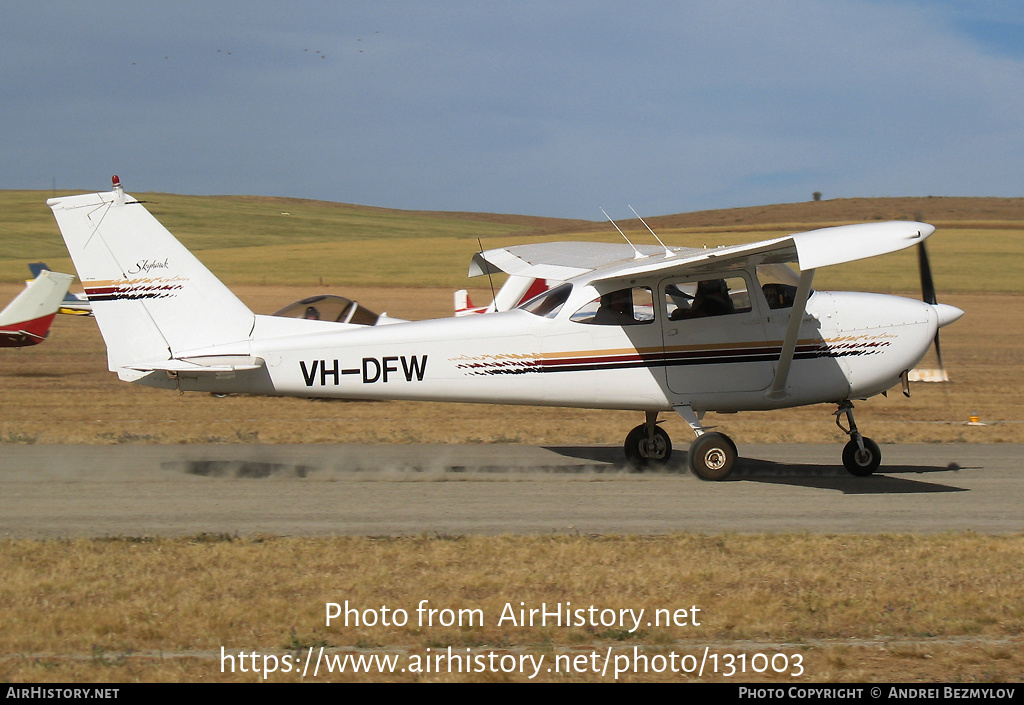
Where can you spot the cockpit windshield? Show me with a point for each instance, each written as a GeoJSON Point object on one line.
{"type": "Point", "coordinates": [549, 303]}
{"type": "Point", "coordinates": [329, 307]}
{"type": "Point", "coordinates": [779, 283]}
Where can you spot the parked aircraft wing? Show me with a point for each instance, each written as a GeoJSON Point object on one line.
{"type": "Point", "coordinates": [39, 299]}
{"type": "Point", "coordinates": [26, 320]}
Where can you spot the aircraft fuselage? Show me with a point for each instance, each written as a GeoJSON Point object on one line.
{"type": "Point", "coordinates": [852, 345]}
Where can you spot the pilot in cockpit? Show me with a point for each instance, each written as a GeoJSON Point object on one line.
{"type": "Point", "coordinates": [616, 308]}
{"type": "Point", "coordinates": [712, 299]}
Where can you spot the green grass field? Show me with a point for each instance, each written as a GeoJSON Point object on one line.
{"type": "Point", "coordinates": [249, 240]}
{"type": "Point", "coordinates": [266, 241]}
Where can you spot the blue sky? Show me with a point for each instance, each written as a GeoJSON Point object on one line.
{"type": "Point", "coordinates": [541, 108]}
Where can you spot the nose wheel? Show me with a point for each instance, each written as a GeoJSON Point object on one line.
{"type": "Point", "coordinates": [861, 455]}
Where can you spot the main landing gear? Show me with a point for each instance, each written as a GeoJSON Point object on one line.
{"type": "Point", "coordinates": [648, 446]}
{"type": "Point", "coordinates": [713, 455]}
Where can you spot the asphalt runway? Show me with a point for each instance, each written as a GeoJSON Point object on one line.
{"type": "Point", "coordinates": [307, 490]}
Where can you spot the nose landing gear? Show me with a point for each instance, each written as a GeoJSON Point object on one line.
{"type": "Point", "coordinates": [861, 456]}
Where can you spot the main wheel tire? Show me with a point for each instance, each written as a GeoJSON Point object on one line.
{"type": "Point", "coordinates": [643, 454]}
{"type": "Point", "coordinates": [712, 456]}
{"type": "Point", "coordinates": [862, 463]}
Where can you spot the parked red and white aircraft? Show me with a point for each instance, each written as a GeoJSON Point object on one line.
{"type": "Point", "coordinates": [26, 320]}
{"type": "Point", "coordinates": [649, 329]}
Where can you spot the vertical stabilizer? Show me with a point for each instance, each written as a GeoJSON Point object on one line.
{"type": "Point", "coordinates": [153, 300]}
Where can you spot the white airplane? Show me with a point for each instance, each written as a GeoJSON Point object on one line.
{"type": "Point", "coordinates": [649, 329]}
{"type": "Point", "coordinates": [26, 320]}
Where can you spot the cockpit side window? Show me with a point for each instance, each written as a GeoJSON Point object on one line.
{"type": "Point", "coordinates": [623, 307]}
{"type": "Point", "coordinates": [549, 303]}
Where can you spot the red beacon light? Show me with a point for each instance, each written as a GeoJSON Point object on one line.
{"type": "Point", "coordinates": [119, 197]}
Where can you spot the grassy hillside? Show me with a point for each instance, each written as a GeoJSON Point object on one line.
{"type": "Point", "coordinates": [979, 247]}
{"type": "Point", "coordinates": [256, 240]}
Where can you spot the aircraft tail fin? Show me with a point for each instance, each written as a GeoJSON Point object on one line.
{"type": "Point", "coordinates": [153, 300]}
{"type": "Point", "coordinates": [36, 268]}
{"type": "Point", "coordinates": [463, 304]}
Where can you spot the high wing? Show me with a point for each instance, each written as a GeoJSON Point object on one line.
{"type": "Point", "coordinates": [592, 263]}
{"type": "Point", "coordinates": [26, 320]}
{"type": "Point", "coordinates": [810, 250]}
{"type": "Point", "coordinates": [559, 260]}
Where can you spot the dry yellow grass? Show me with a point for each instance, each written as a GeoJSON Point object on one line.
{"type": "Point", "coordinates": [855, 608]}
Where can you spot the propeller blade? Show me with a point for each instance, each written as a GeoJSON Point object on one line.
{"type": "Point", "coordinates": [927, 284]}
{"type": "Point", "coordinates": [928, 291]}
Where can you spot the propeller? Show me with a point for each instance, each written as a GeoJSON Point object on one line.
{"type": "Point", "coordinates": [947, 314]}
{"type": "Point", "coordinates": [928, 292]}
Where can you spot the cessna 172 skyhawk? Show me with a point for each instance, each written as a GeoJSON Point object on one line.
{"type": "Point", "coordinates": [648, 329]}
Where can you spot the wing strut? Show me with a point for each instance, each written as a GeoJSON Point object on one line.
{"type": "Point", "coordinates": [796, 317]}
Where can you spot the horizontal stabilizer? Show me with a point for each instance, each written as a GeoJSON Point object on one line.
{"type": "Point", "coordinates": [215, 364]}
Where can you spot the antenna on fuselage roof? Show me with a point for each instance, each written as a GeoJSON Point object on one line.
{"type": "Point", "coordinates": [638, 255]}
{"type": "Point", "coordinates": [668, 252]}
